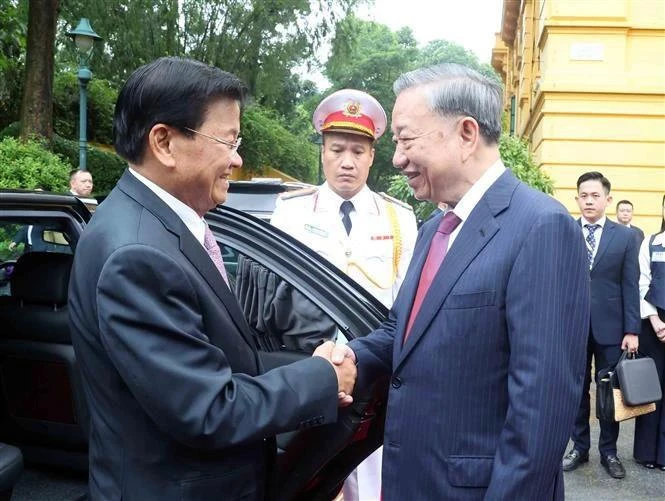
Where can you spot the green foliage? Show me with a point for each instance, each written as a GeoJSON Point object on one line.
{"type": "Point", "coordinates": [267, 143]}
{"type": "Point", "coordinates": [260, 41]}
{"type": "Point", "coordinates": [515, 155]}
{"type": "Point", "coordinates": [13, 30]}
{"type": "Point", "coordinates": [29, 165]}
{"type": "Point", "coordinates": [12, 130]}
{"type": "Point", "coordinates": [101, 103]}
{"type": "Point", "coordinates": [105, 166]}
{"type": "Point", "coordinates": [443, 51]}
{"type": "Point", "coordinates": [399, 188]}
{"type": "Point", "coordinates": [369, 56]}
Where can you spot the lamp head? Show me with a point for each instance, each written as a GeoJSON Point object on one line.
{"type": "Point", "coordinates": [84, 36]}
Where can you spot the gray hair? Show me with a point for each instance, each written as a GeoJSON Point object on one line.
{"type": "Point", "coordinates": [456, 90]}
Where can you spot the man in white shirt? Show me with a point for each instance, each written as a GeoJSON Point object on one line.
{"type": "Point", "coordinates": [80, 183]}
{"type": "Point", "coordinates": [625, 217]}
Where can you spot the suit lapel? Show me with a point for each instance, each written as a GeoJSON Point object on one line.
{"type": "Point", "coordinates": [410, 284]}
{"type": "Point", "coordinates": [605, 239]}
{"type": "Point", "coordinates": [189, 246]}
{"type": "Point", "coordinates": [477, 231]}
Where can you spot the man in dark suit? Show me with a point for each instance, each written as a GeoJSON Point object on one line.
{"type": "Point", "coordinates": [612, 251]}
{"type": "Point", "coordinates": [625, 217]}
{"type": "Point", "coordinates": [32, 238]}
{"type": "Point", "coordinates": [179, 406]}
{"type": "Point", "coordinates": [486, 340]}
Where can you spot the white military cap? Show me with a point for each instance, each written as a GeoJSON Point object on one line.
{"type": "Point", "coordinates": [351, 111]}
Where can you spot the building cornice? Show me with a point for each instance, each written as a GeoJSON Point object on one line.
{"type": "Point", "coordinates": [510, 15]}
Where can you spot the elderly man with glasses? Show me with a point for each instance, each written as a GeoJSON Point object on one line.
{"type": "Point", "coordinates": [180, 407]}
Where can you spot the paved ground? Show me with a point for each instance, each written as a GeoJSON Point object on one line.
{"type": "Point", "coordinates": [590, 482]}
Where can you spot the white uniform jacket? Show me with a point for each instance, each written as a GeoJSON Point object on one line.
{"type": "Point", "coordinates": [377, 251]}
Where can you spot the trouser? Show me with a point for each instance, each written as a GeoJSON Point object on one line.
{"type": "Point", "coordinates": [604, 357]}
{"type": "Point", "coordinates": [649, 444]}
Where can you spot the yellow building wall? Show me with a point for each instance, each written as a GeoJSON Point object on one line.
{"type": "Point", "coordinates": [589, 81]}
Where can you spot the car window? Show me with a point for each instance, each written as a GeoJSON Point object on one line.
{"type": "Point", "coordinates": [22, 235]}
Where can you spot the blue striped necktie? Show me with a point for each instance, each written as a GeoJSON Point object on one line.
{"type": "Point", "coordinates": [591, 240]}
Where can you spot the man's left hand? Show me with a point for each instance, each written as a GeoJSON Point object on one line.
{"type": "Point", "coordinates": [630, 342]}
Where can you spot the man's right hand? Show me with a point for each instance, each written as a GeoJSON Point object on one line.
{"type": "Point", "coordinates": [345, 370]}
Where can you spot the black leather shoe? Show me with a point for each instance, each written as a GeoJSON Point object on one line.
{"type": "Point", "coordinates": [613, 466]}
{"type": "Point", "coordinates": [574, 459]}
{"type": "Point", "coordinates": [661, 467]}
{"type": "Point", "coordinates": [646, 464]}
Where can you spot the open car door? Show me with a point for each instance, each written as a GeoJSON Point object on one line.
{"type": "Point", "coordinates": [293, 299]}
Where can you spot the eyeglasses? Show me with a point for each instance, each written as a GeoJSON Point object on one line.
{"type": "Point", "coordinates": [234, 145]}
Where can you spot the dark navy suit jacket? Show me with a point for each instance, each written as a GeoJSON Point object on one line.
{"type": "Point", "coordinates": [485, 391]}
{"type": "Point", "coordinates": [167, 362]}
{"type": "Point", "coordinates": [615, 293]}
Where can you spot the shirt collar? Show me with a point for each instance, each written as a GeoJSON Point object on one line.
{"type": "Point", "coordinates": [471, 198]}
{"type": "Point", "coordinates": [601, 222]}
{"type": "Point", "coordinates": [363, 201]}
{"type": "Point", "coordinates": [659, 239]}
{"type": "Point", "coordinates": [194, 223]}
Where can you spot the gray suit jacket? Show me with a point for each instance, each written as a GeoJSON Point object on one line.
{"type": "Point", "coordinates": [179, 408]}
{"type": "Point", "coordinates": [486, 388]}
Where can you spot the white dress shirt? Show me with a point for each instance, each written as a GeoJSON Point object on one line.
{"type": "Point", "coordinates": [597, 234]}
{"type": "Point", "coordinates": [192, 220]}
{"type": "Point", "coordinates": [646, 308]}
{"type": "Point", "coordinates": [471, 198]}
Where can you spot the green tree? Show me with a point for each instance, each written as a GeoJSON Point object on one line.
{"type": "Point", "coordinates": [13, 29]}
{"type": "Point", "coordinates": [269, 144]}
{"type": "Point", "coordinates": [261, 42]}
{"type": "Point", "coordinates": [516, 156]}
{"type": "Point", "coordinates": [443, 51]}
{"type": "Point", "coordinates": [102, 95]}
{"type": "Point", "coordinates": [369, 56]}
{"type": "Point", "coordinates": [28, 165]}
{"type": "Point", "coordinates": [37, 101]}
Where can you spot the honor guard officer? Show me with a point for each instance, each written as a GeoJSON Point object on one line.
{"type": "Point", "coordinates": [369, 236]}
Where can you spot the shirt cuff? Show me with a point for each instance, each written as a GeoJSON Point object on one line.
{"type": "Point", "coordinates": [647, 309]}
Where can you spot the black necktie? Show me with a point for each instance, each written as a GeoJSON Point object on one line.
{"type": "Point", "coordinates": [345, 209]}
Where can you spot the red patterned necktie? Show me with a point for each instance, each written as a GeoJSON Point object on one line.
{"type": "Point", "coordinates": [215, 254]}
{"type": "Point", "coordinates": [437, 252]}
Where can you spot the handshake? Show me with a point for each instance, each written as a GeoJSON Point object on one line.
{"type": "Point", "coordinates": [343, 361]}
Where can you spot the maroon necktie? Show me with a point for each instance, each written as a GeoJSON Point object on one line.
{"type": "Point", "coordinates": [437, 252]}
{"type": "Point", "coordinates": [215, 254]}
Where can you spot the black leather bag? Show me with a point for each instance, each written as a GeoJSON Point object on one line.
{"type": "Point", "coordinates": [638, 380]}
{"type": "Point", "coordinates": [611, 404]}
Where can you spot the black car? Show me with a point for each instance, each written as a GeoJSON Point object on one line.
{"type": "Point", "coordinates": [43, 410]}
{"type": "Point", "coordinates": [258, 196]}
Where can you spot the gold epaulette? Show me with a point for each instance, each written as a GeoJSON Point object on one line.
{"type": "Point", "coordinates": [287, 195]}
{"type": "Point", "coordinates": [396, 201]}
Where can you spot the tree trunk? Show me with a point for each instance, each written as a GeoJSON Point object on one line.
{"type": "Point", "coordinates": [37, 102]}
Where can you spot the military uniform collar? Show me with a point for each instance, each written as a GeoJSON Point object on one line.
{"type": "Point", "coordinates": [364, 201]}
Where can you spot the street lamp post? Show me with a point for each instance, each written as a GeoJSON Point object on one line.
{"type": "Point", "coordinates": [84, 37]}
